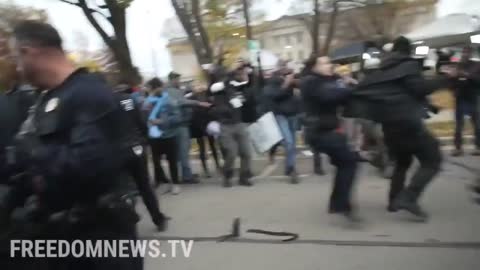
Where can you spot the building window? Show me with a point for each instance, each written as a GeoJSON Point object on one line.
{"type": "Point", "coordinates": [299, 37]}
{"type": "Point", "coordinates": [276, 39]}
{"type": "Point", "coordinates": [301, 56]}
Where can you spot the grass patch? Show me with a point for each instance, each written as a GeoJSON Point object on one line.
{"type": "Point", "coordinates": [447, 129]}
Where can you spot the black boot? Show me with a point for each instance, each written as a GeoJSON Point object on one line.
{"type": "Point", "coordinates": [406, 201]}
{"type": "Point", "coordinates": [162, 223]}
{"type": "Point", "coordinates": [245, 179]}
{"type": "Point", "coordinates": [294, 177]}
{"type": "Point", "coordinates": [227, 179]}
{"type": "Point", "coordinates": [319, 171]}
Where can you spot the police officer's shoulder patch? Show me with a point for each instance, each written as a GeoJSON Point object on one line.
{"type": "Point", "coordinates": [127, 104]}
{"type": "Point", "coordinates": [52, 104]}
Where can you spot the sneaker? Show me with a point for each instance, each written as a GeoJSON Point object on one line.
{"type": "Point", "coordinates": [411, 207]}
{"type": "Point", "coordinates": [391, 208]}
{"type": "Point", "coordinates": [227, 183]}
{"type": "Point", "coordinates": [245, 182]}
{"type": "Point", "coordinates": [162, 224]}
{"type": "Point", "coordinates": [294, 178]}
{"type": "Point", "coordinates": [353, 217]}
{"type": "Point", "coordinates": [475, 152]}
{"type": "Point", "coordinates": [457, 153]}
{"type": "Point", "coordinates": [176, 189]}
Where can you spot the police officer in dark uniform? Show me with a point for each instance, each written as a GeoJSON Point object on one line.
{"type": "Point", "coordinates": [323, 93]}
{"type": "Point", "coordinates": [71, 146]}
{"type": "Point", "coordinates": [136, 160]}
{"type": "Point", "coordinates": [395, 96]}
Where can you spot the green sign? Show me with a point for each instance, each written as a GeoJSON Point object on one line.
{"type": "Point", "coordinates": [254, 45]}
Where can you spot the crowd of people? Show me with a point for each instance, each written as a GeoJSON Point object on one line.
{"type": "Point", "coordinates": [68, 153]}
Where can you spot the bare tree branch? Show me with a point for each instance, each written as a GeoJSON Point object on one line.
{"type": "Point", "coordinates": [90, 9]}
{"type": "Point", "coordinates": [71, 3]}
{"type": "Point", "coordinates": [332, 23]}
{"type": "Point", "coordinates": [106, 38]}
{"type": "Point", "coordinates": [201, 29]}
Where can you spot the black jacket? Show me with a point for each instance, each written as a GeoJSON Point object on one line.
{"type": "Point", "coordinates": [468, 87]}
{"type": "Point", "coordinates": [246, 92]}
{"type": "Point", "coordinates": [222, 110]}
{"type": "Point", "coordinates": [322, 96]}
{"type": "Point", "coordinates": [279, 100]}
{"type": "Point", "coordinates": [76, 135]}
{"type": "Point", "coordinates": [395, 92]}
{"type": "Point", "coordinates": [136, 130]}
{"type": "Point", "coordinates": [200, 116]}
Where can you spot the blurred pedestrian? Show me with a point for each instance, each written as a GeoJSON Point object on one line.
{"type": "Point", "coordinates": [177, 96]}
{"type": "Point", "coordinates": [323, 93]}
{"type": "Point", "coordinates": [280, 99]}
{"type": "Point", "coordinates": [395, 96]}
{"type": "Point", "coordinates": [466, 84]}
{"type": "Point", "coordinates": [136, 140]}
{"type": "Point", "coordinates": [198, 128]}
{"type": "Point", "coordinates": [164, 119]}
{"type": "Point", "coordinates": [228, 100]}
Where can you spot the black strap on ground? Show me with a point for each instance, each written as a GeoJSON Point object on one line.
{"type": "Point", "coordinates": [235, 237]}
{"type": "Point", "coordinates": [291, 236]}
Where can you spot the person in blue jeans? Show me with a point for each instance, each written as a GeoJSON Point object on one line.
{"type": "Point", "coordinates": [178, 98]}
{"type": "Point", "coordinates": [466, 88]}
{"type": "Point", "coordinates": [280, 99]}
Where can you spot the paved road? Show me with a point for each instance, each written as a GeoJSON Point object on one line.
{"type": "Point", "coordinates": [207, 210]}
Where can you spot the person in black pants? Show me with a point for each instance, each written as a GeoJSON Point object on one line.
{"type": "Point", "coordinates": [466, 84]}
{"type": "Point", "coordinates": [160, 147]}
{"type": "Point", "coordinates": [323, 92]}
{"type": "Point", "coordinates": [395, 97]}
{"type": "Point", "coordinates": [167, 117]}
{"type": "Point", "coordinates": [198, 126]}
{"type": "Point", "coordinates": [137, 164]}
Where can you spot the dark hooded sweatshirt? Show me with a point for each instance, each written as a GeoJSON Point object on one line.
{"type": "Point", "coordinates": [396, 92]}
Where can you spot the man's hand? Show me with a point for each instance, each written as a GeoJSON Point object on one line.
{"type": "Point", "coordinates": [204, 104]}
{"type": "Point", "coordinates": [289, 79]}
{"type": "Point", "coordinates": [349, 80]}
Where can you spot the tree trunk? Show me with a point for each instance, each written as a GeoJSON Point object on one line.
{"type": "Point", "coordinates": [247, 19]}
{"type": "Point", "coordinates": [118, 44]}
{"type": "Point", "coordinates": [207, 49]}
{"type": "Point", "coordinates": [315, 29]}
{"type": "Point", "coordinates": [331, 29]}
{"type": "Point", "coordinates": [203, 54]}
